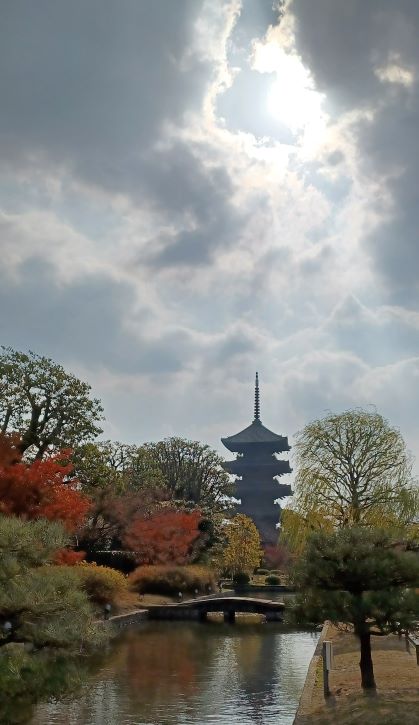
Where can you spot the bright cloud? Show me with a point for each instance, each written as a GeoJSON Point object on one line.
{"type": "Point", "coordinates": [192, 191]}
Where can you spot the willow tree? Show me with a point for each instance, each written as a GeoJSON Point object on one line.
{"type": "Point", "coordinates": [352, 469]}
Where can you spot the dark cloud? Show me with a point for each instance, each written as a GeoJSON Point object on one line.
{"type": "Point", "coordinates": [344, 43]}
{"type": "Point", "coordinates": [93, 86]}
{"type": "Point", "coordinates": [335, 158]}
{"type": "Point", "coordinates": [85, 320]}
{"type": "Point", "coordinates": [90, 84]}
{"type": "Point", "coordinates": [365, 55]}
{"type": "Point", "coordinates": [377, 338]}
{"type": "Point", "coordinates": [197, 201]}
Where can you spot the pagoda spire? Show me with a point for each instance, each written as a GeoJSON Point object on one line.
{"type": "Point", "coordinates": [257, 401]}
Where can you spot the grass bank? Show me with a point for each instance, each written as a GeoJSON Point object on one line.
{"type": "Point", "coordinates": [396, 675]}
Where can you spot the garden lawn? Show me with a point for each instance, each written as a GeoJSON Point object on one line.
{"type": "Point", "coordinates": [396, 676]}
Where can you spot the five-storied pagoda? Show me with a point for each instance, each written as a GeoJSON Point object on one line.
{"type": "Point", "coordinates": [257, 467]}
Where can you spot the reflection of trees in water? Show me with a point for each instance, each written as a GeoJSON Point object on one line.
{"type": "Point", "coordinates": [170, 668]}
{"type": "Point", "coordinates": [148, 671]}
{"type": "Point", "coordinates": [255, 658]}
{"type": "Point", "coordinates": [293, 655]}
{"type": "Point", "coordinates": [276, 678]}
{"type": "Point", "coordinates": [243, 673]}
{"type": "Point", "coordinates": [189, 672]}
{"type": "Point", "coordinates": [27, 679]}
{"type": "Point", "coordinates": [262, 670]}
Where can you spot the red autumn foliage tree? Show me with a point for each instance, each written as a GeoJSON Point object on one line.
{"type": "Point", "coordinates": [68, 557]}
{"type": "Point", "coordinates": [276, 557]}
{"type": "Point", "coordinates": [112, 514]}
{"type": "Point", "coordinates": [166, 537]}
{"type": "Point", "coordinates": [41, 489]}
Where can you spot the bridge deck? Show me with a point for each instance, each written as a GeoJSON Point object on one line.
{"type": "Point", "coordinates": [217, 604]}
{"type": "Point", "coordinates": [199, 608]}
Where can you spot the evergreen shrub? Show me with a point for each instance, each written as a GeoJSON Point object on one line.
{"type": "Point", "coordinates": [241, 580]}
{"type": "Point", "coordinates": [272, 579]}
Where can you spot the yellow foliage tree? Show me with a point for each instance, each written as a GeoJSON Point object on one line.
{"type": "Point", "coordinates": [352, 469]}
{"type": "Point", "coordinates": [242, 552]}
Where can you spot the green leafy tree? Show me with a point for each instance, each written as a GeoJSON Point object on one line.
{"type": "Point", "coordinates": [47, 406]}
{"type": "Point", "coordinates": [192, 472]}
{"type": "Point", "coordinates": [100, 466]}
{"type": "Point", "coordinates": [352, 468]}
{"type": "Point", "coordinates": [115, 467]}
{"type": "Point", "coordinates": [242, 551]}
{"type": "Point", "coordinates": [358, 578]}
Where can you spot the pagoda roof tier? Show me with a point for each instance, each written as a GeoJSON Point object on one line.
{"type": "Point", "coordinates": [258, 499]}
{"type": "Point", "coordinates": [241, 466]}
{"type": "Point", "coordinates": [256, 435]}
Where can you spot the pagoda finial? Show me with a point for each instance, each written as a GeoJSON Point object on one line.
{"type": "Point", "coordinates": [257, 402]}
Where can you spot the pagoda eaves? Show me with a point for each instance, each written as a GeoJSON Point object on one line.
{"type": "Point", "coordinates": [256, 433]}
{"type": "Point", "coordinates": [257, 468]}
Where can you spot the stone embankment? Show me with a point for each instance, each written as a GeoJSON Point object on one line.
{"type": "Point", "coordinates": [120, 621]}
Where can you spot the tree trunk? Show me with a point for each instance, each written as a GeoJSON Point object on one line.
{"type": "Point", "coordinates": [365, 663]}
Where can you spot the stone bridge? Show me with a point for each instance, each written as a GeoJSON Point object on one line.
{"type": "Point", "coordinates": [199, 608]}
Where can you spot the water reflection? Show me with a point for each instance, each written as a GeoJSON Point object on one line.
{"type": "Point", "coordinates": [190, 673]}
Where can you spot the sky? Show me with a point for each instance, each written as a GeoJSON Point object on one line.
{"type": "Point", "coordinates": [192, 191]}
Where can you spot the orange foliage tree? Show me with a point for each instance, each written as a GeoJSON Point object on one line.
{"type": "Point", "coordinates": [41, 489]}
{"type": "Point", "coordinates": [166, 537]}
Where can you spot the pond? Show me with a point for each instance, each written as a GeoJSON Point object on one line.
{"type": "Point", "coordinates": [187, 673]}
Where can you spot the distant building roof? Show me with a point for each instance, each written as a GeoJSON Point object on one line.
{"type": "Point", "coordinates": [256, 432]}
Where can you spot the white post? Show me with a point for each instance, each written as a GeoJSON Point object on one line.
{"type": "Point", "coordinates": [327, 654]}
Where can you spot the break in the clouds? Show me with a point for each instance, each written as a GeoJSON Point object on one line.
{"type": "Point", "coordinates": [193, 191]}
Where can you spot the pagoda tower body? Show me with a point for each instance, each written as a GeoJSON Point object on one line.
{"type": "Point", "coordinates": [257, 468]}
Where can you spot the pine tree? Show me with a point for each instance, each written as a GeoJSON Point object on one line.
{"type": "Point", "coordinates": [359, 579]}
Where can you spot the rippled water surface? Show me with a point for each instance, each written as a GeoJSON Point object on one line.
{"type": "Point", "coordinates": [162, 673]}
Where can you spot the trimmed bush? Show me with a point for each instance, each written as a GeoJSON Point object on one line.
{"type": "Point", "coordinates": [275, 572]}
{"type": "Point", "coordinates": [171, 580]}
{"type": "Point", "coordinates": [241, 580]}
{"type": "Point", "coordinates": [261, 572]}
{"type": "Point", "coordinates": [101, 583]}
{"type": "Point", "coordinates": [272, 579]}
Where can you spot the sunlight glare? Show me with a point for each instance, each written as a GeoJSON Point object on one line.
{"type": "Point", "coordinates": [293, 99]}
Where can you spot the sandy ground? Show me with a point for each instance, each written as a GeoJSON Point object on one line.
{"type": "Point", "coordinates": [396, 675]}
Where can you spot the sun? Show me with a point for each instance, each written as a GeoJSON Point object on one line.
{"type": "Point", "coordinates": [293, 98]}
